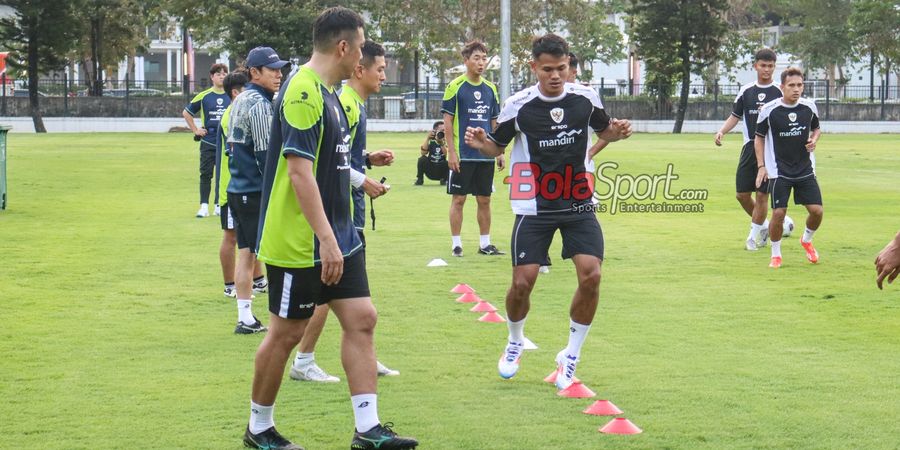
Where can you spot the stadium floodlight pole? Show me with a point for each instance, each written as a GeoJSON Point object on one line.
{"type": "Point", "coordinates": [504, 50]}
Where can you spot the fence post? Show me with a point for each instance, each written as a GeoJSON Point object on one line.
{"type": "Point", "coordinates": [602, 87]}
{"type": "Point", "coordinates": [127, 95]}
{"type": "Point", "coordinates": [660, 103]}
{"type": "Point", "coordinates": [883, 95]}
{"type": "Point", "coordinates": [827, 98]}
{"type": "Point", "coordinates": [427, 97]}
{"type": "Point", "coordinates": [65, 94]}
{"type": "Point", "coordinates": [716, 97]}
{"type": "Point", "coordinates": [4, 94]}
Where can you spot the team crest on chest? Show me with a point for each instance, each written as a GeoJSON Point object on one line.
{"type": "Point", "coordinates": [218, 101]}
{"type": "Point", "coordinates": [557, 114]}
{"type": "Point", "coordinates": [761, 96]}
{"type": "Point", "coordinates": [477, 95]}
{"type": "Point", "coordinates": [792, 117]}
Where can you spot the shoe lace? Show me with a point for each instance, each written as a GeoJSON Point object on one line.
{"type": "Point", "coordinates": [387, 429]}
{"type": "Point", "coordinates": [512, 352]}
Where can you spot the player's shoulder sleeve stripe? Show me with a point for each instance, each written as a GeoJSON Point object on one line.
{"type": "Point", "coordinates": [453, 87]}
{"type": "Point", "coordinates": [513, 104]}
{"type": "Point", "coordinates": [587, 92]}
{"type": "Point", "coordinates": [351, 107]}
{"type": "Point", "coordinates": [303, 103]}
{"type": "Point", "coordinates": [810, 104]}
{"type": "Point", "coordinates": [766, 109]}
{"type": "Point", "coordinates": [743, 89]}
{"type": "Point", "coordinates": [493, 88]}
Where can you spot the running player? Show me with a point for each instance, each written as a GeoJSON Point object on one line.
{"type": "Point", "coordinates": [312, 252]}
{"type": "Point", "coordinates": [551, 190]}
{"type": "Point", "coordinates": [209, 104]}
{"type": "Point", "coordinates": [470, 101]}
{"type": "Point", "coordinates": [746, 105]}
{"type": "Point", "coordinates": [786, 135]}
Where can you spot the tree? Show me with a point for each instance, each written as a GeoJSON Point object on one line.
{"type": "Point", "coordinates": [876, 26]}
{"type": "Point", "coordinates": [39, 34]}
{"type": "Point", "coordinates": [825, 41]}
{"type": "Point", "coordinates": [111, 30]}
{"type": "Point", "coordinates": [677, 38]}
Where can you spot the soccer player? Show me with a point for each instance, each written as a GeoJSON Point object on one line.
{"type": "Point", "coordinates": [233, 84]}
{"type": "Point", "coordinates": [312, 252]}
{"type": "Point", "coordinates": [551, 190]}
{"type": "Point", "coordinates": [887, 263]}
{"type": "Point", "coordinates": [365, 81]}
{"type": "Point", "coordinates": [787, 131]}
{"type": "Point", "coordinates": [746, 105]}
{"type": "Point", "coordinates": [470, 101]}
{"type": "Point", "coordinates": [248, 138]}
{"type": "Point", "coordinates": [210, 104]}
{"type": "Point", "coordinates": [433, 161]}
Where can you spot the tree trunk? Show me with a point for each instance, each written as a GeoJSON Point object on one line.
{"type": "Point", "coordinates": [33, 42]}
{"type": "Point", "coordinates": [685, 84]}
{"type": "Point", "coordinates": [96, 66]}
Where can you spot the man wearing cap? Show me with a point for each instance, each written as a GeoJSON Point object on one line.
{"type": "Point", "coordinates": [248, 138]}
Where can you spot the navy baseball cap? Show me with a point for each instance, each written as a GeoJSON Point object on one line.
{"type": "Point", "coordinates": [264, 56]}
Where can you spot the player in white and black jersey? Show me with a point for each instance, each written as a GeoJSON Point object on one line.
{"type": "Point", "coordinates": [786, 134]}
{"type": "Point", "coordinates": [551, 190]}
{"type": "Point", "coordinates": [746, 105]}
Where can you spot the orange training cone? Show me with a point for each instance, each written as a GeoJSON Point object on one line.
{"type": "Point", "coordinates": [462, 289]}
{"type": "Point", "coordinates": [468, 297]}
{"type": "Point", "coordinates": [603, 408]}
{"type": "Point", "coordinates": [620, 425]}
{"type": "Point", "coordinates": [483, 306]}
{"type": "Point", "coordinates": [576, 390]}
{"type": "Point", "coordinates": [491, 317]}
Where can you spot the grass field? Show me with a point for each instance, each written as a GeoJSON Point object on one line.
{"type": "Point", "coordinates": [116, 334]}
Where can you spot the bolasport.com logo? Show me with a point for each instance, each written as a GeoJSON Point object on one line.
{"type": "Point", "coordinates": [606, 190]}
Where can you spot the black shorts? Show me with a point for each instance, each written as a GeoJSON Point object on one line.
{"type": "Point", "coordinates": [245, 208]}
{"type": "Point", "coordinates": [532, 235]}
{"type": "Point", "coordinates": [747, 170]}
{"type": "Point", "coordinates": [226, 217]}
{"type": "Point", "coordinates": [474, 177]}
{"type": "Point", "coordinates": [294, 293]}
{"type": "Point", "coordinates": [806, 191]}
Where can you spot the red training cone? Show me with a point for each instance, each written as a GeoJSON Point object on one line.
{"type": "Point", "coordinates": [576, 390]}
{"type": "Point", "coordinates": [462, 289]}
{"type": "Point", "coordinates": [603, 408]}
{"type": "Point", "coordinates": [491, 317]}
{"type": "Point", "coordinates": [468, 297]}
{"type": "Point", "coordinates": [620, 425]}
{"type": "Point", "coordinates": [552, 377]}
{"type": "Point", "coordinates": [483, 306]}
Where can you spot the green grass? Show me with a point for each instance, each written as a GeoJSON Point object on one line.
{"type": "Point", "coordinates": [116, 335]}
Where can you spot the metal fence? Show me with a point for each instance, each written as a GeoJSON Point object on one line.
{"type": "Point", "coordinates": [127, 98]}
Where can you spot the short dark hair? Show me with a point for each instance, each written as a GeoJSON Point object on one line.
{"type": "Point", "coordinates": [437, 124]}
{"type": "Point", "coordinates": [472, 47]}
{"type": "Point", "coordinates": [573, 60]}
{"type": "Point", "coordinates": [550, 44]}
{"type": "Point", "coordinates": [235, 80]}
{"type": "Point", "coordinates": [332, 24]}
{"type": "Point", "coordinates": [370, 50]}
{"type": "Point", "coordinates": [791, 72]}
{"type": "Point", "coordinates": [764, 54]}
{"type": "Point", "coordinates": [218, 67]}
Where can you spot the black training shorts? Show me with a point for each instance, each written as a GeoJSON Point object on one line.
{"type": "Point", "coordinates": [245, 208]}
{"type": "Point", "coordinates": [532, 235]}
{"type": "Point", "coordinates": [747, 170]}
{"type": "Point", "coordinates": [474, 177]}
{"type": "Point", "coordinates": [226, 217]}
{"type": "Point", "coordinates": [294, 293]}
{"type": "Point", "coordinates": [806, 191]}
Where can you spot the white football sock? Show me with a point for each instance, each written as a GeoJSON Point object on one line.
{"type": "Point", "coordinates": [776, 248]}
{"type": "Point", "coordinates": [807, 235]}
{"type": "Point", "coordinates": [245, 313]}
{"type": "Point", "coordinates": [577, 333]}
{"type": "Point", "coordinates": [754, 230]}
{"type": "Point", "coordinates": [485, 240]}
{"type": "Point", "coordinates": [365, 411]}
{"type": "Point", "coordinates": [516, 331]}
{"type": "Point", "coordinates": [261, 418]}
{"type": "Point", "coordinates": [457, 241]}
{"type": "Point", "coordinates": [303, 359]}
